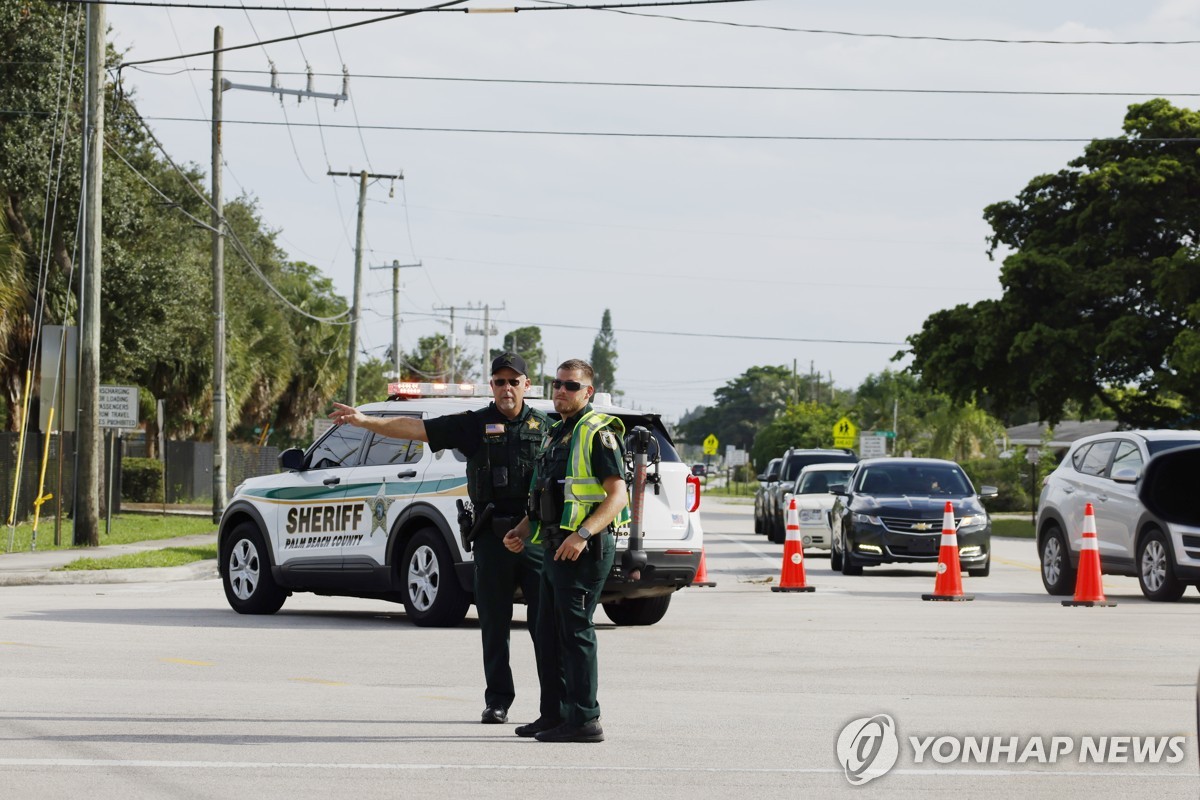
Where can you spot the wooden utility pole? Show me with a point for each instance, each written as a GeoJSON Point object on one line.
{"type": "Point", "coordinates": [87, 519]}
{"type": "Point", "coordinates": [395, 267]}
{"type": "Point", "coordinates": [220, 414]}
{"type": "Point", "coordinates": [356, 311]}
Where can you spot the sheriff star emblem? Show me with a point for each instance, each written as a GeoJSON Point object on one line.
{"type": "Point", "coordinates": [533, 424]}
{"type": "Point", "coordinates": [379, 509]}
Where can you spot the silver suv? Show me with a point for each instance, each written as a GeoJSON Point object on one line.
{"type": "Point", "coordinates": [1103, 470]}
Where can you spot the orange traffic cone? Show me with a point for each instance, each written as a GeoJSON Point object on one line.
{"type": "Point", "coordinates": [791, 579]}
{"type": "Point", "coordinates": [1088, 591]}
{"type": "Point", "coordinates": [701, 578]}
{"type": "Point", "coordinates": [948, 585]}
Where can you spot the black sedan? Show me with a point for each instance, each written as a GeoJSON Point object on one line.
{"type": "Point", "coordinates": [891, 510]}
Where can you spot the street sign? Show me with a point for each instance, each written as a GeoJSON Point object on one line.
{"type": "Point", "coordinates": [118, 407]}
{"type": "Point", "coordinates": [845, 434]}
{"type": "Point", "coordinates": [871, 445]}
{"type": "Point", "coordinates": [710, 445]}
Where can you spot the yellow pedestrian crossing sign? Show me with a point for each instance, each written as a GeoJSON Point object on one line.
{"type": "Point", "coordinates": [710, 445]}
{"type": "Point", "coordinates": [845, 434]}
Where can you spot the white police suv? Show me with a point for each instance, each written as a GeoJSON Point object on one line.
{"type": "Point", "coordinates": [362, 515]}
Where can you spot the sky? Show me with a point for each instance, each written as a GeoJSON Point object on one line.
{"type": "Point", "coordinates": [713, 254]}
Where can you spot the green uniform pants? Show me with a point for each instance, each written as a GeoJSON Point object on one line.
{"type": "Point", "coordinates": [570, 592]}
{"type": "Point", "coordinates": [498, 573]}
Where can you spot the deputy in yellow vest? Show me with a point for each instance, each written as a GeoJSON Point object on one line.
{"type": "Point", "coordinates": [577, 504]}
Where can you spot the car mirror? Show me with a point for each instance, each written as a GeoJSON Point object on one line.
{"type": "Point", "coordinates": [837, 488]}
{"type": "Point", "coordinates": [762, 478]}
{"type": "Point", "coordinates": [1126, 475]}
{"type": "Point", "coordinates": [988, 491]}
{"type": "Point", "coordinates": [292, 459]}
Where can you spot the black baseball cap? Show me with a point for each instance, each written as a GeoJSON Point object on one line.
{"type": "Point", "coordinates": [509, 361]}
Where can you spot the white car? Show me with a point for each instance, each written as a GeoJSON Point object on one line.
{"type": "Point", "coordinates": [1103, 470]}
{"type": "Point", "coordinates": [362, 515]}
{"type": "Point", "coordinates": [813, 501]}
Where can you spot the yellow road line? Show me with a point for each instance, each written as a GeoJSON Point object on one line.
{"type": "Point", "coordinates": [317, 681]}
{"type": "Point", "coordinates": [189, 662]}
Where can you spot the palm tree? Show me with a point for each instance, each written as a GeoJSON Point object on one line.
{"type": "Point", "coordinates": [14, 323]}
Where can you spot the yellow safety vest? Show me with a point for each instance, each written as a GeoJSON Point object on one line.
{"type": "Point", "coordinates": [582, 491]}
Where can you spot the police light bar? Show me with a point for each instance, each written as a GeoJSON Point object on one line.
{"type": "Point", "coordinates": [414, 389]}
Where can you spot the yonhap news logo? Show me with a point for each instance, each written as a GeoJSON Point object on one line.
{"type": "Point", "coordinates": [869, 747]}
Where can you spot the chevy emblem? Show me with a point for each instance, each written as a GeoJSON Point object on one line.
{"type": "Point", "coordinates": [922, 526]}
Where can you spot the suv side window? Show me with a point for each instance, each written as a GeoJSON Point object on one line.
{"type": "Point", "coordinates": [1128, 457]}
{"type": "Point", "coordinates": [1095, 462]}
{"type": "Point", "coordinates": [338, 449]}
{"type": "Point", "coordinates": [383, 451]}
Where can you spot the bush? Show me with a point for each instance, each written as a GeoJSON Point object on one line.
{"type": "Point", "coordinates": [141, 480]}
{"type": "Point", "coordinates": [1009, 475]}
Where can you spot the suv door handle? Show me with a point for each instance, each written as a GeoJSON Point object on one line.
{"type": "Point", "coordinates": [408, 473]}
{"type": "Point", "coordinates": [1103, 498]}
{"type": "Point", "coordinates": [331, 481]}
{"type": "Point", "coordinates": [1068, 489]}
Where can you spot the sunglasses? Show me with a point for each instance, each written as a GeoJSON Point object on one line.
{"type": "Point", "coordinates": [570, 386]}
{"type": "Point", "coordinates": [507, 381]}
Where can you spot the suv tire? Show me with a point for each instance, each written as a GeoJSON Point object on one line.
{"type": "Point", "coordinates": [835, 558]}
{"type": "Point", "coordinates": [758, 523]}
{"type": "Point", "coordinates": [246, 577]}
{"type": "Point", "coordinates": [638, 611]}
{"type": "Point", "coordinates": [1156, 568]}
{"type": "Point", "coordinates": [431, 594]}
{"type": "Point", "coordinates": [1058, 576]}
{"type": "Point", "coordinates": [775, 532]}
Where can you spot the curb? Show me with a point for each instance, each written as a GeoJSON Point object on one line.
{"type": "Point", "coordinates": [199, 570]}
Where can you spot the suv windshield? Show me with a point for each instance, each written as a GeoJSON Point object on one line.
{"type": "Point", "coordinates": [914, 479]}
{"type": "Point", "coordinates": [798, 461]}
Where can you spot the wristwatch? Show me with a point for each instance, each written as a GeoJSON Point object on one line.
{"type": "Point", "coordinates": [583, 533]}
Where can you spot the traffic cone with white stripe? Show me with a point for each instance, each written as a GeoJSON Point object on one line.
{"type": "Point", "coordinates": [1088, 589]}
{"type": "Point", "coordinates": [791, 578]}
{"type": "Point", "coordinates": [948, 585]}
{"type": "Point", "coordinates": [701, 578]}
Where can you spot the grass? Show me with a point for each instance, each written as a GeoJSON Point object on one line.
{"type": "Point", "coordinates": [126, 528]}
{"type": "Point", "coordinates": [167, 557]}
{"type": "Point", "coordinates": [1015, 528]}
{"type": "Point", "coordinates": [734, 490]}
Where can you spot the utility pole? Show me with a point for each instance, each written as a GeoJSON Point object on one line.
{"type": "Point", "coordinates": [220, 407]}
{"type": "Point", "coordinates": [487, 330]}
{"type": "Point", "coordinates": [356, 311]}
{"type": "Point", "coordinates": [453, 353]}
{"type": "Point", "coordinates": [395, 267]}
{"type": "Point", "coordinates": [220, 415]}
{"type": "Point", "coordinates": [87, 520]}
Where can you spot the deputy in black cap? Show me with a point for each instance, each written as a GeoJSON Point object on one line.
{"type": "Point", "coordinates": [501, 443]}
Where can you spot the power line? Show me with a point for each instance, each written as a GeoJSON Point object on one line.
{"type": "Point", "coordinates": [372, 21]}
{"type": "Point", "coordinates": [379, 9]}
{"type": "Point", "coordinates": [713, 86]}
{"type": "Point", "coordinates": [714, 136]}
{"type": "Point", "coordinates": [744, 337]}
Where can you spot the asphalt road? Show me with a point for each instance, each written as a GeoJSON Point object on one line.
{"type": "Point", "coordinates": [159, 690]}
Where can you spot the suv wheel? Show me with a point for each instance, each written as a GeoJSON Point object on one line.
{"type": "Point", "coordinates": [758, 525]}
{"type": "Point", "coordinates": [1058, 576]}
{"type": "Point", "coordinates": [638, 611]}
{"type": "Point", "coordinates": [775, 532]}
{"type": "Point", "coordinates": [432, 596]}
{"type": "Point", "coordinates": [247, 580]}
{"type": "Point", "coordinates": [1156, 568]}
{"type": "Point", "coordinates": [835, 555]}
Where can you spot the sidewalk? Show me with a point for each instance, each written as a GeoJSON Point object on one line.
{"type": "Point", "coordinates": [28, 569]}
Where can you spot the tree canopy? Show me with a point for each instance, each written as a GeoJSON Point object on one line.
{"type": "Point", "coordinates": [1101, 292]}
{"type": "Point", "coordinates": [604, 356]}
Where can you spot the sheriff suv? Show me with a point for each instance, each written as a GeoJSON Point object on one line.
{"type": "Point", "coordinates": [1103, 470]}
{"type": "Point", "coordinates": [363, 515]}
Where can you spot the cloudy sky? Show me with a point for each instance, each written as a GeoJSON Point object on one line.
{"type": "Point", "coordinates": [771, 248]}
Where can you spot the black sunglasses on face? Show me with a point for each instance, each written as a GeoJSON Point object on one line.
{"type": "Point", "coordinates": [509, 381]}
{"type": "Point", "coordinates": [570, 386]}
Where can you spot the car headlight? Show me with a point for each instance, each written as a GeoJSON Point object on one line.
{"type": "Point", "coordinates": [810, 515]}
{"type": "Point", "coordinates": [973, 521]}
{"type": "Point", "coordinates": [867, 519]}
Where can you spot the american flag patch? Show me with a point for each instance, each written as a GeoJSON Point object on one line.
{"type": "Point", "coordinates": [494, 429]}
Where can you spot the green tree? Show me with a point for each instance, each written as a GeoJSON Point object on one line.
{"type": "Point", "coordinates": [14, 315]}
{"type": "Point", "coordinates": [742, 407]}
{"type": "Point", "coordinates": [800, 425]}
{"type": "Point", "coordinates": [604, 356]}
{"type": "Point", "coordinates": [432, 360]}
{"type": "Point", "coordinates": [1101, 292]}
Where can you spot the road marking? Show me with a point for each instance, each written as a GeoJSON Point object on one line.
{"type": "Point", "coordinates": [103, 763]}
{"type": "Point", "coordinates": [318, 681]}
{"type": "Point", "coordinates": [189, 662]}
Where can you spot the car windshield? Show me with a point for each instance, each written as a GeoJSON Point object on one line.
{"type": "Point", "coordinates": [818, 481]}
{"type": "Point", "coordinates": [914, 479]}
